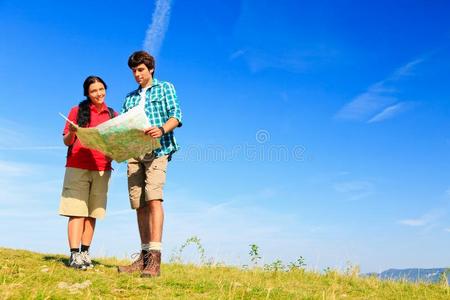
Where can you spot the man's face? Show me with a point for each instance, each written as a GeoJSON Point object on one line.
{"type": "Point", "coordinates": [142, 74]}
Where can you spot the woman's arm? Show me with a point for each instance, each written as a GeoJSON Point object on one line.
{"type": "Point", "coordinates": [69, 137]}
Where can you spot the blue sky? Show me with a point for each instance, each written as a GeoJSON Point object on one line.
{"type": "Point", "coordinates": [310, 129]}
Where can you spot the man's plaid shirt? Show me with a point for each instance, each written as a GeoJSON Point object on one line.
{"type": "Point", "coordinates": [160, 104]}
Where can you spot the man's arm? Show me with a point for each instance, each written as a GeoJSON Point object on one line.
{"type": "Point", "coordinates": [173, 110]}
{"type": "Point", "coordinates": [156, 132]}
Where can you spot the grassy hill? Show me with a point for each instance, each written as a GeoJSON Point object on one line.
{"type": "Point", "coordinates": [28, 275]}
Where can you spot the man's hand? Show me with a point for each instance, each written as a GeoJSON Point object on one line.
{"type": "Point", "coordinates": [154, 132]}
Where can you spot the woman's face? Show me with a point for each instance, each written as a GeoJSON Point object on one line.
{"type": "Point", "coordinates": [97, 93]}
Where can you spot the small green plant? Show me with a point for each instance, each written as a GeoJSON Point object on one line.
{"type": "Point", "coordinates": [299, 264]}
{"type": "Point", "coordinates": [29, 275]}
{"type": "Point", "coordinates": [276, 266]}
{"type": "Point", "coordinates": [254, 254]}
{"type": "Point", "coordinates": [443, 278]}
{"type": "Point", "coordinates": [193, 240]}
{"type": "Point", "coordinates": [352, 270]}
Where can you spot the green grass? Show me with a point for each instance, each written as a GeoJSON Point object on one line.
{"type": "Point", "coordinates": [29, 275]}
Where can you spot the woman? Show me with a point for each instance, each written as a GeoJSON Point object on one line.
{"type": "Point", "coordinates": [83, 198]}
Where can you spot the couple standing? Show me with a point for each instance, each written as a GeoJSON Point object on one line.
{"type": "Point", "coordinates": [88, 171]}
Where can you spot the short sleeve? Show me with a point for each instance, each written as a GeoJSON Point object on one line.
{"type": "Point", "coordinates": [72, 117]}
{"type": "Point", "coordinates": [173, 106]}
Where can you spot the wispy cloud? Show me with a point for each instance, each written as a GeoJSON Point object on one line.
{"type": "Point", "coordinates": [10, 133]}
{"type": "Point", "coordinates": [14, 137]}
{"type": "Point", "coordinates": [238, 53]}
{"type": "Point", "coordinates": [354, 190]}
{"type": "Point", "coordinates": [33, 148]}
{"type": "Point", "coordinates": [424, 220]}
{"type": "Point", "coordinates": [293, 61]}
{"type": "Point", "coordinates": [380, 102]}
{"type": "Point", "coordinates": [16, 169]}
{"type": "Point", "coordinates": [390, 112]}
{"type": "Point", "coordinates": [157, 29]}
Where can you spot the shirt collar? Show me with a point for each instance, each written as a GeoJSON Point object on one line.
{"type": "Point", "coordinates": [94, 108]}
{"type": "Point", "coordinates": [154, 83]}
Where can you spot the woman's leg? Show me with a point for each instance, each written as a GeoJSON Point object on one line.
{"type": "Point", "coordinates": [88, 231]}
{"type": "Point", "coordinates": [75, 231]}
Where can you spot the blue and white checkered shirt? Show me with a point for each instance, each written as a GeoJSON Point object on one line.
{"type": "Point", "coordinates": [160, 104]}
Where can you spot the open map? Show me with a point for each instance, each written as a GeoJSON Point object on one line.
{"type": "Point", "coordinates": [120, 138]}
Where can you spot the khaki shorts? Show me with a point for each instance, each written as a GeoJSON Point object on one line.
{"type": "Point", "coordinates": [146, 179]}
{"type": "Point", "coordinates": [84, 193]}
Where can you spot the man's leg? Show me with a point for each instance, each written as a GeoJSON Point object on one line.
{"type": "Point", "coordinates": [143, 219]}
{"type": "Point", "coordinates": [156, 178]}
{"type": "Point", "coordinates": [136, 189]}
{"type": "Point", "coordinates": [157, 220]}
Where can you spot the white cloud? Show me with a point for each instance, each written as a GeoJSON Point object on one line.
{"type": "Point", "coordinates": [426, 219]}
{"type": "Point", "coordinates": [238, 53]}
{"type": "Point", "coordinates": [378, 102]}
{"type": "Point", "coordinates": [13, 169]}
{"type": "Point", "coordinates": [157, 29]}
{"type": "Point", "coordinates": [10, 133]}
{"type": "Point", "coordinates": [406, 70]}
{"type": "Point", "coordinates": [354, 190]}
{"type": "Point", "coordinates": [389, 112]}
{"type": "Point", "coordinates": [414, 222]}
{"type": "Point", "coordinates": [14, 137]}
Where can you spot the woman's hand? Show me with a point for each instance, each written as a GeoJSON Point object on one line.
{"type": "Point", "coordinates": [72, 128]}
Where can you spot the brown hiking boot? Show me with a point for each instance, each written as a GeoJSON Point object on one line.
{"type": "Point", "coordinates": [136, 266]}
{"type": "Point", "coordinates": [153, 267]}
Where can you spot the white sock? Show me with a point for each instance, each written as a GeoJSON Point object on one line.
{"type": "Point", "coordinates": [145, 247]}
{"type": "Point", "coordinates": [155, 246]}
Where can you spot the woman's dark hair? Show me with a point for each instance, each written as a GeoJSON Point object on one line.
{"type": "Point", "coordinates": [141, 57]}
{"type": "Point", "coordinates": [84, 112]}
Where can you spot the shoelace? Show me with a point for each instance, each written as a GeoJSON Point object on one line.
{"type": "Point", "coordinates": [136, 257]}
{"type": "Point", "coordinates": [78, 259]}
{"type": "Point", "coordinates": [85, 257]}
{"type": "Point", "coordinates": [153, 262]}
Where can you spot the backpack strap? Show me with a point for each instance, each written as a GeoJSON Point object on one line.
{"type": "Point", "coordinates": [112, 113]}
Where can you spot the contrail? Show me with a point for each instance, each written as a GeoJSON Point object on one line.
{"type": "Point", "coordinates": [157, 29]}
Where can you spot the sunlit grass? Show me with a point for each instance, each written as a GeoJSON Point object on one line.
{"type": "Point", "coordinates": [26, 275]}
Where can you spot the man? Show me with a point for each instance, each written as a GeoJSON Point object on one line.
{"type": "Point", "coordinates": [147, 174]}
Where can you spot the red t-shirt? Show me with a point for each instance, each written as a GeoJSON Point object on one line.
{"type": "Point", "coordinates": [82, 157]}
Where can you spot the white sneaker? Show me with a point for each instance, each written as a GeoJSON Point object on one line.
{"type": "Point", "coordinates": [86, 259]}
{"type": "Point", "coordinates": [76, 262]}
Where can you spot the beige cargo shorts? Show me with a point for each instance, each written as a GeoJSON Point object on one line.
{"type": "Point", "coordinates": [84, 193]}
{"type": "Point", "coordinates": [146, 179]}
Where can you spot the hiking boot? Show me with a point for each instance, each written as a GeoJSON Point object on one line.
{"type": "Point", "coordinates": [153, 267]}
{"type": "Point", "coordinates": [76, 262]}
{"type": "Point", "coordinates": [136, 266]}
{"type": "Point", "coordinates": [86, 259]}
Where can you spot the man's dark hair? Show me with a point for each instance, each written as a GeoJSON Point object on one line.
{"type": "Point", "coordinates": [141, 57]}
